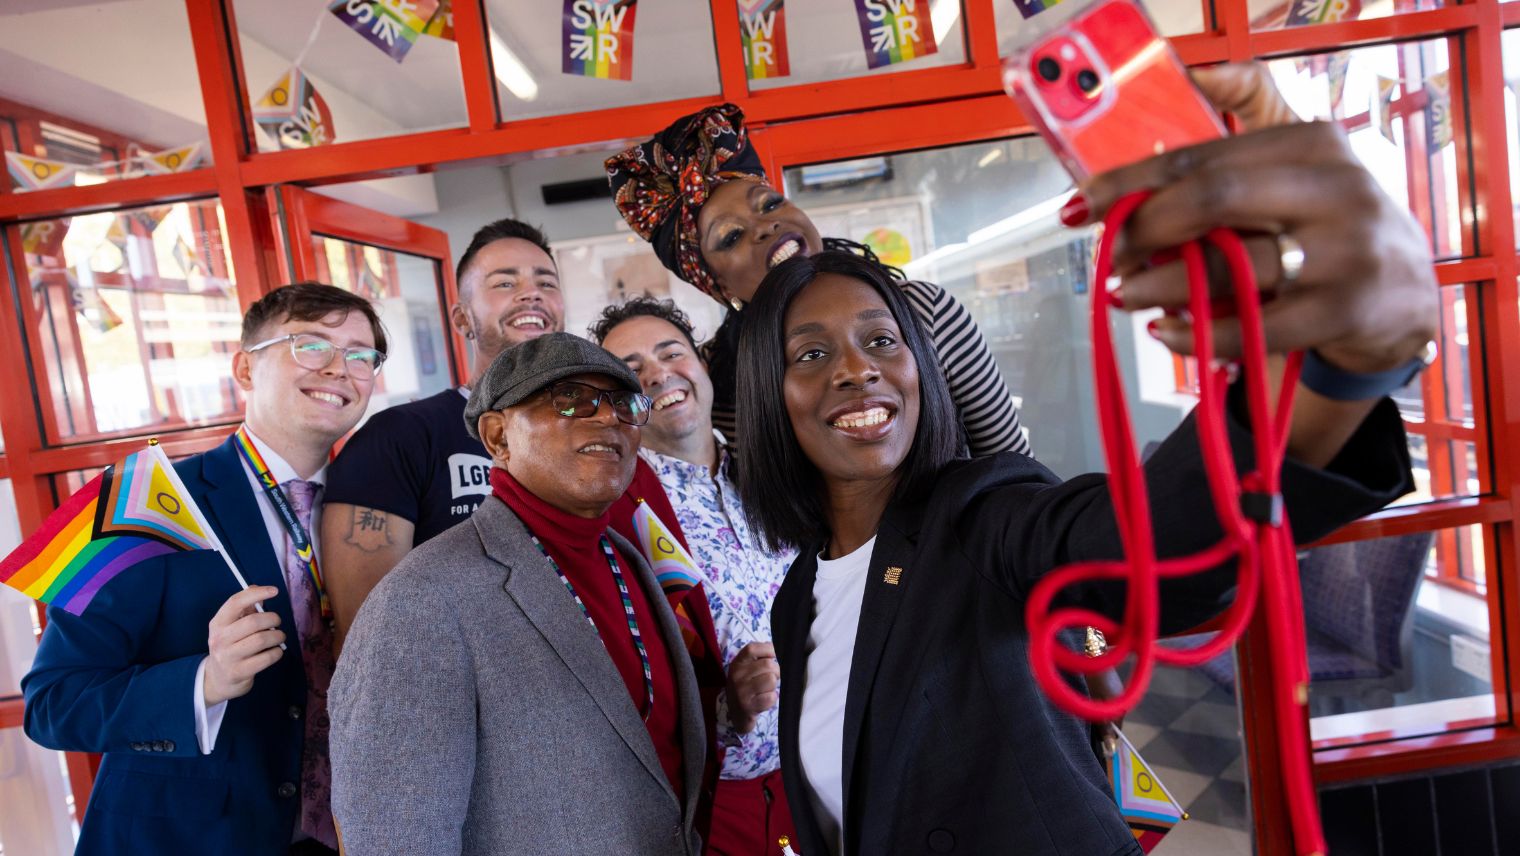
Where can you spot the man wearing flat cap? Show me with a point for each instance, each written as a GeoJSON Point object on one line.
{"type": "Point", "coordinates": [517, 684]}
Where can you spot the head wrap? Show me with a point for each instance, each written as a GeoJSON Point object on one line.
{"type": "Point", "coordinates": [660, 186]}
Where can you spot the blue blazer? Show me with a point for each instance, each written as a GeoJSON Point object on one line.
{"type": "Point", "coordinates": [119, 680]}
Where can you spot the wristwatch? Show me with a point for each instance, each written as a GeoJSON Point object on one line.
{"type": "Point", "coordinates": [1341, 385]}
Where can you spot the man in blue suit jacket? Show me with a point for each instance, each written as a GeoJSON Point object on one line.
{"type": "Point", "coordinates": [214, 734]}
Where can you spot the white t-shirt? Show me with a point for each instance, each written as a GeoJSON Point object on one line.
{"type": "Point", "coordinates": [837, 595]}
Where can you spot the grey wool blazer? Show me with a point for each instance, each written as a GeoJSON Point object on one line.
{"type": "Point", "coordinates": [475, 711]}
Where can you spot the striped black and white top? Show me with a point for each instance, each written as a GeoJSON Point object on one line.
{"type": "Point", "coordinates": [976, 385]}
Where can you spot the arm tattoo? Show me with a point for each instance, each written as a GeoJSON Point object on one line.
{"type": "Point", "coordinates": [367, 530]}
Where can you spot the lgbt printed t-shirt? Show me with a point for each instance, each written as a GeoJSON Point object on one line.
{"type": "Point", "coordinates": [415, 461]}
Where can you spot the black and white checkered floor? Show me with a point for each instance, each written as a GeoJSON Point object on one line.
{"type": "Point", "coordinates": [1187, 729]}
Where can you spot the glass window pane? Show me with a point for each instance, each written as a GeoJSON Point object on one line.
{"type": "Point", "coordinates": [138, 318]}
{"type": "Point", "coordinates": [824, 41]}
{"type": "Point", "coordinates": [1278, 14]}
{"type": "Point", "coordinates": [1172, 18]}
{"type": "Point", "coordinates": [669, 55]}
{"type": "Point", "coordinates": [1187, 729]}
{"type": "Point", "coordinates": [375, 74]}
{"type": "Point", "coordinates": [406, 293]}
{"type": "Point", "coordinates": [1394, 101]}
{"type": "Point", "coordinates": [1511, 43]}
{"type": "Point", "coordinates": [98, 91]}
{"type": "Point", "coordinates": [38, 817]}
{"type": "Point", "coordinates": [1438, 410]}
{"type": "Point", "coordinates": [1398, 636]}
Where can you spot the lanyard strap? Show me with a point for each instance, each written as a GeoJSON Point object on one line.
{"type": "Point", "coordinates": [633, 622]}
{"type": "Point", "coordinates": [287, 514]}
{"type": "Point", "coordinates": [1249, 509]}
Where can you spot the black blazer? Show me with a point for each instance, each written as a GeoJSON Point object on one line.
{"type": "Point", "coordinates": [949, 745]}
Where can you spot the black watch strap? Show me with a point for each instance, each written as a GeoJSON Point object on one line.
{"type": "Point", "coordinates": [1341, 385]}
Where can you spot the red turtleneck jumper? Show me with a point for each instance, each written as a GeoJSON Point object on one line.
{"type": "Point", "coordinates": [574, 543]}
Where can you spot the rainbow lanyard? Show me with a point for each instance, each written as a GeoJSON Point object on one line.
{"type": "Point", "coordinates": [298, 535]}
{"type": "Point", "coordinates": [633, 623]}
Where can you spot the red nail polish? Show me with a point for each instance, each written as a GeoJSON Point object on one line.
{"type": "Point", "coordinates": [1153, 328]}
{"type": "Point", "coordinates": [1075, 211]}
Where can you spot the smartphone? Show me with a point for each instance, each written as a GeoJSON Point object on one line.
{"type": "Point", "coordinates": [1104, 89]}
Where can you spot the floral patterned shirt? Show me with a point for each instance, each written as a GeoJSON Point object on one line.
{"type": "Point", "coordinates": [741, 580]}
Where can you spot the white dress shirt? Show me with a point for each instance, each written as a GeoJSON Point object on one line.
{"type": "Point", "coordinates": [208, 720]}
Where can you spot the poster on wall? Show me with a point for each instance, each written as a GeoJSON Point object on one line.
{"type": "Point", "coordinates": [895, 31]}
{"type": "Point", "coordinates": [762, 25]}
{"type": "Point", "coordinates": [390, 25]}
{"type": "Point", "coordinates": [293, 113]}
{"type": "Point", "coordinates": [598, 38]}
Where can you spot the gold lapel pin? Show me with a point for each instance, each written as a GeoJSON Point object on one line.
{"type": "Point", "coordinates": [893, 574]}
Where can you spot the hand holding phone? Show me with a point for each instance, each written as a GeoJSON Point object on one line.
{"type": "Point", "coordinates": [1104, 89]}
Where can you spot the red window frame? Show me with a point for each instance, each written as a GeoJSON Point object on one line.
{"type": "Point", "coordinates": [811, 122]}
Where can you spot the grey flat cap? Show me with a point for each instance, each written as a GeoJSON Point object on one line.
{"type": "Point", "coordinates": [518, 372]}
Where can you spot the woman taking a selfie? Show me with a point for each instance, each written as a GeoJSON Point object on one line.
{"type": "Point", "coordinates": [910, 718]}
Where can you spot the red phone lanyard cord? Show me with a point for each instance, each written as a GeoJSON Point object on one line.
{"type": "Point", "coordinates": [1249, 510]}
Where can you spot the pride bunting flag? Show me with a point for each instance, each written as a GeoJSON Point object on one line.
{"type": "Point", "coordinates": [168, 161]}
{"type": "Point", "coordinates": [762, 26]}
{"type": "Point", "coordinates": [390, 25]}
{"type": "Point", "coordinates": [598, 38]}
{"type": "Point", "coordinates": [293, 113]}
{"type": "Point", "coordinates": [134, 510]}
{"type": "Point", "coordinates": [895, 31]}
{"type": "Point", "coordinates": [1147, 807]}
{"type": "Point", "coordinates": [32, 173]}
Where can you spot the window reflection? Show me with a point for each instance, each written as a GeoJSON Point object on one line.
{"type": "Point", "coordinates": [138, 318]}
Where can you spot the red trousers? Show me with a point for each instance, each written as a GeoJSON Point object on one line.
{"type": "Point", "coordinates": [749, 817]}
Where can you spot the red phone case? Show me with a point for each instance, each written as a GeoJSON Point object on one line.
{"type": "Point", "coordinates": [1143, 103]}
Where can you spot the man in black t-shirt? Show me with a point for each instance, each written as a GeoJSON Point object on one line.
{"type": "Point", "coordinates": [413, 470]}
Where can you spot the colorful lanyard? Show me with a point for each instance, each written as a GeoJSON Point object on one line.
{"type": "Point", "coordinates": [633, 623]}
{"type": "Point", "coordinates": [293, 527]}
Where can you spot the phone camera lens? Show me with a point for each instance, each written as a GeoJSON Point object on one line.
{"type": "Point", "coordinates": [1049, 69]}
{"type": "Point", "coordinates": [1087, 81]}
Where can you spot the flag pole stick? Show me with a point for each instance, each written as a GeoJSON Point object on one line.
{"type": "Point", "coordinates": [200, 519]}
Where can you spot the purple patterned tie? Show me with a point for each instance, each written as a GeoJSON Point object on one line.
{"type": "Point", "coordinates": [317, 656]}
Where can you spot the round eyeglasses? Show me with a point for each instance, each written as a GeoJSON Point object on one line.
{"type": "Point", "coordinates": [573, 399]}
{"type": "Point", "coordinates": [316, 353]}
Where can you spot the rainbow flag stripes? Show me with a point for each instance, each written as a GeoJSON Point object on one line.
{"type": "Point", "coordinates": [135, 510]}
{"type": "Point", "coordinates": [895, 30]}
{"type": "Point", "coordinates": [762, 25]}
{"type": "Point", "coordinates": [1147, 807]}
{"type": "Point", "coordinates": [598, 38]}
{"type": "Point", "coordinates": [672, 565]}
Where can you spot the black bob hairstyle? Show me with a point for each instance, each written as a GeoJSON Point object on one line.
{"type": "Point", "coordinates": [782, 490]}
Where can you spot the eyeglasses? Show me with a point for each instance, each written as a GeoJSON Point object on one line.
{"type": "Point", "coordinates": [582, 401]}
{"type": "Point", "coordinates": [316, 353]}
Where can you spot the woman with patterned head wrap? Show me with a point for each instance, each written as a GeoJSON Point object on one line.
{"type": "Point", "coordinates": [698, 194]}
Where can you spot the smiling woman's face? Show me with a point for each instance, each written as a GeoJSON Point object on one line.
{"type": "Point", "coordinates": [851, 384]}
{"type": "Point", "coordinates": [746, 228]}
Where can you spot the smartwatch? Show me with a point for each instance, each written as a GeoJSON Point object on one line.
{"type": "Point", "coordinates": [1341, 385]}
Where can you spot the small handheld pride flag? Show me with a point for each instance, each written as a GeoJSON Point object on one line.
{"type": "Point", "coordinates": [1146, 804]}
{"type": "Point", "coordinates": [672, 565]}
{"type": "Point", "coordinates": [135, 510]}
